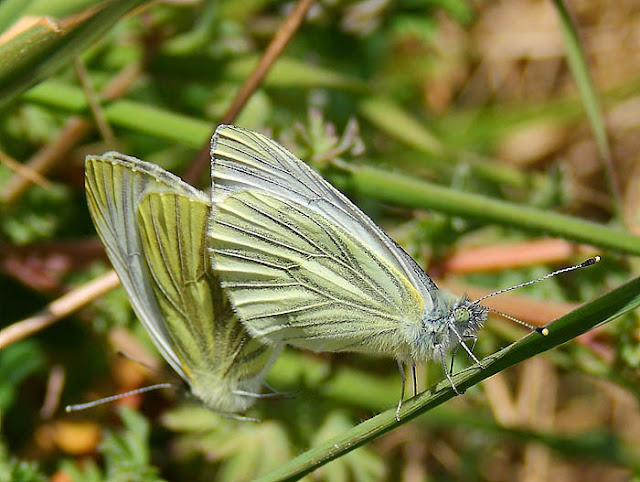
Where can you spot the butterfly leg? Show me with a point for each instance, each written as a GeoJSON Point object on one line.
{"type": "Point", "coordinates": [453, 358]}
{"type": "Point", "coordinates": [455, 350]}
{"type": "Point", "coordinates": [443, 358]}
{"type": "Point", "coordinates": [242, 393]}
{"type": "Point", "coordinates": [466, 348]}
{"type": "Point", "coordinates": [473, 345]}
{"type": "Point", "coordinates": [275, 393]}
{"type": "Point", "coordinates": [471, 354]}
{"type": "Point", "coordinates": [241, 418]}
{"type": "Point", "coordinates": [402, 375]}
{"type": "Point", "coordinates": [415, 379]}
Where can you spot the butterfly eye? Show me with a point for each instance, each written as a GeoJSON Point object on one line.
{"type": "Point", "coordinates": [461, 315]}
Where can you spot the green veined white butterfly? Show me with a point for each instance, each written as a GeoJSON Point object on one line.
{"type": "Point", "coordinates": [303, 265]}
{"type": "Point", "coordinates": [153, 227]}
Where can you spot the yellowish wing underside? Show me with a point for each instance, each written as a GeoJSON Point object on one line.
{"type": "Point", "coordinates": [296, 277]}
{"type": "Point", "coordinates": [200, 321]}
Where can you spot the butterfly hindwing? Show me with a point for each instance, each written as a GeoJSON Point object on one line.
{"type": "Point", "coordinates": [170, 231]}
{"type": "Point", "coordinates": [214, 346]}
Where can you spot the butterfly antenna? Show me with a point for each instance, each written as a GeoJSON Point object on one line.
{"type": "Point", "coordinates": [584, 264]}
{"type": "Point", "coordinates": [113, 398]}
{"type": "Point", "coordinates": [542, 330]}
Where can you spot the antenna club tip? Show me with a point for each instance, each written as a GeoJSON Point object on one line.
{"type": "Point", "coordinates": [592, 261]}
{"type": "Point", "coordinates": [543, 331]}
{"type": "Point", "coordinates": [68, 409]}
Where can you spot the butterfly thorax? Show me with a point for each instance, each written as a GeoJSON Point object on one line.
{"type": "Point", "coordinates": [451, 320]}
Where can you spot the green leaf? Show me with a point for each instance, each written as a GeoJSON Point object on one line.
{"type": "Point", "coordinates": [87, 472]}
{"type": "Point", "coordinates": [243, 449]}
{"type": "Point", "coordinates": [14, 470]}
{"type": "Point", "coordinates": [126, 452]}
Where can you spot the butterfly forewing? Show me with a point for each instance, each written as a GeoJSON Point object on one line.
{"type": "Point", "coordinates": [243, 159]}
{"type": "Point", "coordinates": [296, 277]}
{"type": "Point", "coordinates": [115, 184]}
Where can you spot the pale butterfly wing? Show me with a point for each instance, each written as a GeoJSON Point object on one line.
{"type": "Point", "coordinates": [244, 159]}
{"type": "Point", "coordinates": [115, 185]}
{"type": "Point", "coordinates": [298, 278]}
{"type": "Point", "coordinates": [216, 352]}
{"type": "Point", "coordinates": [153, 227]}
{"type": "Point", "coordinates": [303, 265]}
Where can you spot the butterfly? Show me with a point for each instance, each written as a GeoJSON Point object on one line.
{"type": "Point", "coordinates": [153, 226]}
{"type": "Point", "coordinates": [302, 265]}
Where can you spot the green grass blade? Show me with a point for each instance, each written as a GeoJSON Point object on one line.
{"type": "Point", "coordinates": [392, 119]}
{"type": "Point", "coordinates": [40, 51]}
{"type": "Point", "coordinates": [139, 117]}
{"type": "Point", "coordinates": [161, 123]}
{"type": "Point", "coordinates": [604, 309]}
{"type": "Point", "coordinates": [580, 70]}
{"type": "Point", "coordinates": [59, 8]}
{"type": "Point", "coordinates": [402, 190]}
{"type": "Point", "coordinates": [397, 123]}
{"type": "Point", "coordinates": [352, 387]}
